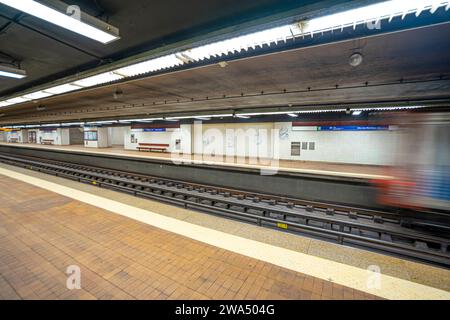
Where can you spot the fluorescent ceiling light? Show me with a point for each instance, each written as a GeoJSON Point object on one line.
{"type": "Point", "coordinates": [265, 113]}
{"type": "Point", "coordinates": [238, 44]}
{"type": "Point", "coordinates": [17, 100]}
{"type": "Point", "coordinates": [293, 115]}
{"type": "Point", "coordinates": [179, 118]}
{"type": "Point", "coordinates": [153, 65]}
{"type": "Point", "coordinates": [98, 79]}
{"type": "Point", "coordinates": [5, 103]}
{"type": "Point", "coordinates": [103, 122]}
{"type": "Point", "coordinates": [201, 117]}
{"type": "Point", "coordinates": [50, 125]}
{"type": "Point", "coordinates": [321, 111]}
{"type": "Point", "coordinates": [219, 115]}
{"type": "Point", "coordinates": [10, 72]}
{"type": "Point", "coordinates": [357, 112]}
{"type": "Point", "coordinates": [61, 19]}
{"type": "Point", "coordinates": [390, 108]}
{"type": "Point", "coordinates": [371, 13]}
{"type": "Point", "coordinates": [62, 89]}
{"type": "Point", "coordinates": [146, 120]}
{"type": "Point", "coordinates": [37, 95]}
{"type": "Point", "coordinates": [242, 116]}
{"type": "Point", "coordinates": [72, 124]}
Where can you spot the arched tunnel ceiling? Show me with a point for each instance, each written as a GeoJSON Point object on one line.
{"type": "Point", "coordinates": [394, 68]}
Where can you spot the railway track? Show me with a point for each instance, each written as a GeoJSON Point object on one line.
{"type": "Point", "coordinates": [375, 230]}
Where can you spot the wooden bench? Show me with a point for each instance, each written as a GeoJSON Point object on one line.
{"type": "Point", "coordinates": [47, 141]}
{"type": "Point", "coordinates": [161, 147]}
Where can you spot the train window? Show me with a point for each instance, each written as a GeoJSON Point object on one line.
{"type": "Point", "coordinates": [304, 145]}
{"type": "Point", "coordinates": [312, 146]}
{"type": "Point", "coordinates": [441, 145]}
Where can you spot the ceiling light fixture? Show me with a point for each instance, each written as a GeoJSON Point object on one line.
{"type": "Point", "coordinates": [68, 124]}
{"type": "Point", "coordinates": [153, 65]}
{"type": "Point", "coordinates": [37, 95]}
{"type": "Point", "coordinates": [62, 89]}
{"type": "Point", "coordinates": [103, 122]}
{"type": "Point", "coordinates": [81, 23]}
{"type": "Point", "coordinates": [200, 117]}
{"type": "Point", "coordinates": [293, 115]}
{"type": "Point", "coordinates": [148, 119]}
{"type": "Point", "coordinates": [17, 100]}
{"type": "Point", "coordinates": [50, 125]}
{"type": "Point", "coordinates": [98, 79]}
{"type": "Point", "coordinates": [11, 72]}
{"type": "Point", "coordinates": [5, 103]}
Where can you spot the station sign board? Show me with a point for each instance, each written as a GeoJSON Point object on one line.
{"type": "Point", "coordinates": [341, 128]}
{"type": "Point", "coordinates": [154, 130]}
{"type": "Point", "coordinates": [352, 128]}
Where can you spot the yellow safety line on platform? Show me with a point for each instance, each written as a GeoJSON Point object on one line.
{"type": "Point", "coordinates": [353, 277]}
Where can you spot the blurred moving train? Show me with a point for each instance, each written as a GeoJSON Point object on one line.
{"type": "Point", "coordinates": [421, 174]}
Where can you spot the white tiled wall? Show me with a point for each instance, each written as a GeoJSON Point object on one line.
{"type": "Point", "coordinates": [234, 139]}
{"type": "Point", "coordinates": [118, 135]}
{"type": "Point", "coordinates": [359, 147]}
{"type": "Point", "coordinates": [168, 137]}
{"type": "Point", "coordinates": [59, 136]}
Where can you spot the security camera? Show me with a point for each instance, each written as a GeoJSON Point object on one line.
{"type": "Point", "coordinates": [348, 111]}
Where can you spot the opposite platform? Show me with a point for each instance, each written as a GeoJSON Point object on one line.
{"type": "Point", "coordinates": [367, 172]}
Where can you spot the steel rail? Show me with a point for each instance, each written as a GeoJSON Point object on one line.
{"type": "Point", "coordinates": [370, 229]}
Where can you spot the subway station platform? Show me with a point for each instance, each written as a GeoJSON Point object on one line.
{"type": "Point", "coordinates": [115, 181]}
{"type": "Point", "coordinates": [367, 172]}
{"type": "Point", "coordinates": [129, 248]}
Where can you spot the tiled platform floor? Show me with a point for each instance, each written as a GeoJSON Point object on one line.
{"type": "Point", "coordinates": [42, 233]}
